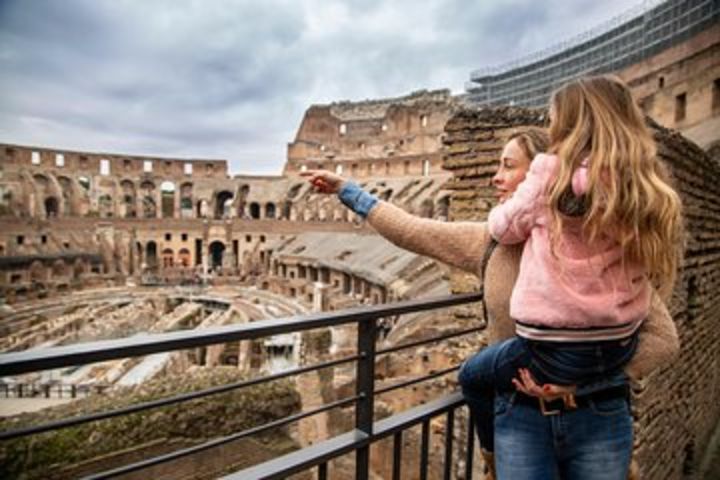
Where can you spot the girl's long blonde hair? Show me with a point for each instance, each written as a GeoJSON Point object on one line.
{"type": "Point", "coordinates": [629, 196]}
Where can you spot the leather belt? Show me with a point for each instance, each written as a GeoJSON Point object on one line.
{"type": "Point", "coordinates": [571, 402]}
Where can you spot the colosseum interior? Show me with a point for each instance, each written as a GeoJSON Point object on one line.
{"type": "Point", "coordinates": [96, 246]}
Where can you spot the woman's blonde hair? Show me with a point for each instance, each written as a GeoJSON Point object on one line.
{"type": "Point", "coordinates": [629, 196]}
{"type": "Point", "coordinates": [532, 140]}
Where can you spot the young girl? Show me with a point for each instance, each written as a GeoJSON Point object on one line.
{"type": "Point", "coordinates": [601, 227]}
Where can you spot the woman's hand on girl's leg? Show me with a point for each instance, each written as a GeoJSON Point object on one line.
{"type": "Point", "coordinates": [527, 385]}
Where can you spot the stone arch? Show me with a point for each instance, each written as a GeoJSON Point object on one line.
{"type": "Point", "coordinates": [255, 210]}
{"type": "Point", "coordinates": [223, 200]}
{"type": "Point", "coordinates": [59, 268]}
{"type": "Point", "coordinates": [105, 206]}
{"type": "Point", "coordinates": [52, 207]}
{"type": "Point", "coordinates": [167, 199]}
{"type": "Point", "coordinates": [242, 196]}
{"type": "Point", "coordinates": [270, 210]}
{"type": "Point", "coordinates": [151, 258]}
{"type": "Point", "coordinates": [139, 253]}
{"type": "Point", "coordinates": [66, 190]}
{"type": "Point", "coordinates": [217, 253]}
{"type": "Point", "coordinates": [186, 200]}
{"type": "Point", "coordinates": [38, 271]}
{"type": "Point", "coordinates": [149, 205]}
{"type": "Point", "coordinates": [443, 207]}
{"type": "Point", "coordinates": [202, 209]}
{"type": "Point", "coordinates": [79, 268]}
{"type": "Point", "coordinates": [184, 257]}
{"type": "Point", "coordinates": [427, 208]}
{"type": "Point", "coordinates": [129, 198]}
{"type": "Point", "coordinates": [84, 182]}
{"type": "Point", "coordinates": [168, 258]}
{"type": "Point", "coordinates": [41, 181]}
{"type": "Point", "coordinates": [287, 210]}
{"type": "Point", "coordinates": [294, 190]}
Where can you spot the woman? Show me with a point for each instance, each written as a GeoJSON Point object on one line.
{"type": "Point", "coordinates": [592, 441]}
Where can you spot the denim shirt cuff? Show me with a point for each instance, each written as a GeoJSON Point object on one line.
{"type": "Point", "coordinates": [357, 199]}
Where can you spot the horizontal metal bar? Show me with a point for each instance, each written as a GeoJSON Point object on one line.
{"type": "Point", "coordinates": [300, 460]}
{"type": "Point", "coordinates": [415, 380]}
{"type": "Point", "coordinates": [413, 416]}
{"type": "Point", "coordinates": [219, 441]}
{"type": "Point", "coordinates": [430, 340]}
{"type": "Point", "coordinates": [58, 357]}
{"type": "Point", "coordinates": [294, 462]}
{"type": "Point", "coordinates": [69, 422]}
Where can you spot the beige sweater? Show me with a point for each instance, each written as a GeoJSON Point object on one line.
{"type": "Point", "coordinates": [462, 245]}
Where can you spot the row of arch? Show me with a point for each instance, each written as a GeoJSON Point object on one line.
{"type": "Point", "coordinates": [167, 258]}
{"type": "Point", "coordinates": [44, 271]}
{"type": "Point", "coordinates": [146, 201]}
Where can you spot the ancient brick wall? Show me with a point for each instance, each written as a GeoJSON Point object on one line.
{"type": "Point", "coordinates": [392, 137]}
{"type": "Point", "coordinates": [676, 409]}
{"type": "Point", "coordinates": [680, 86]}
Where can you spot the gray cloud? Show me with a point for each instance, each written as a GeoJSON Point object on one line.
{"type": "Point", "coordinates": [232, 79]}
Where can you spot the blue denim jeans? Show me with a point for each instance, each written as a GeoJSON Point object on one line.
{"type": "Point", "coordinates": [593, 442]}
{"type": "Point", "coordinates": [593, 366]}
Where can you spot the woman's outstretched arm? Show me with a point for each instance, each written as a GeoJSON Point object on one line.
{"type": "Point", "coordinates": [460, 244]}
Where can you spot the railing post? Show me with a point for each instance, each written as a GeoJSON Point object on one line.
{"type": "Point", "coordinates": [365, 389]}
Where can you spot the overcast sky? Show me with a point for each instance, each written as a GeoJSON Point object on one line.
{"type": "Point", "coordinates": [232, 79]}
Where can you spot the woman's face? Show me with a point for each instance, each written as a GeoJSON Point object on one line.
{"type": "Point", "coordinates": [514, 164]}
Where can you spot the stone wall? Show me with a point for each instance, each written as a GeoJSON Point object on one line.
{"type": "Point", "coordinates": [390, 137]}
{"type": "Point", "coordinates": [677, 408]}
{"type": "Point", "coordinates": [680, 86]}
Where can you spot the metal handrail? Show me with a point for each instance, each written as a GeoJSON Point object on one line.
{"type": "Point", "coordinates": [163, 402]}
{"type": "Point", "coordinates": [366, 430]}
{"type": "Point", "coordinates": [58, 357]}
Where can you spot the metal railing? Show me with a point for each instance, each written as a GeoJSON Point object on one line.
{"type": "Point", "coordinates": [358, 440]}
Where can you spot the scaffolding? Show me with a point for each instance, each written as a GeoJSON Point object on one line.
{"type": "Point", "coordinates": [639, 33]}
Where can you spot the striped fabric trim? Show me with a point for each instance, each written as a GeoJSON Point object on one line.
{"type": "Point", "coordinates": [549, 334]}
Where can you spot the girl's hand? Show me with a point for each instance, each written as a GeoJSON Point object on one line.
{"type": "Point", "coordinates": [324, 181]}
{"type": "Point", "coordinates": [549, 392]}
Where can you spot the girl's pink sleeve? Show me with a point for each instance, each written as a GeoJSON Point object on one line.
{"type": "Point", "coordinates": [511, 221]}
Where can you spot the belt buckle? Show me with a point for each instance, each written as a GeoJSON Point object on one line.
{"type": "Point", "coordinates": [568, 400]}
{"type": "Point", "coordinates": [545, 410]}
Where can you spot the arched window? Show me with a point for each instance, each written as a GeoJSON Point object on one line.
{"type": "Point", "coordinates": [167, 195]}
{"type": "Point", "coordinates": [184, 257]}
{"type": "Point", "coordinates": [255, 210]}
{"type": "Point", "coordinates": [270, 210]}
{"type": "Point", "coordinates": [168, 258]}
{"type": "Point", "coordinates": [217, 251]}
{"type": "Point", "coordinates": [223, 200]}
{"type": "Point", "coordinates": [151, 255]}
{"type": "Point", "coordinates": [51, 207]}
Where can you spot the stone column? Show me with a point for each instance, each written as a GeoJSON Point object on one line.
{"type": "Point", "coordinates": [176, 202]}
{"type": "Point", "coordinates": [158, 203]}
